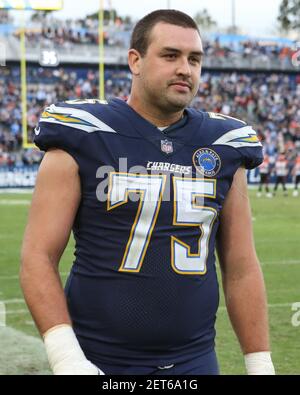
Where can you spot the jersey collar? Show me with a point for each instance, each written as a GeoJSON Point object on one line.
{"type": "Point", "coordinates": [180, 133]}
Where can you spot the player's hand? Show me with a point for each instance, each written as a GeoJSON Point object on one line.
{"type": "Point", "coordinates": [65, 354]}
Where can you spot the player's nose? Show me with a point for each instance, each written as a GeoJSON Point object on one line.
{"type": "Point", "coordinates": [184, 67]}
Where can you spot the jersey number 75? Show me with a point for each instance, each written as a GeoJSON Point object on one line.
{"type": "Point", "coordinates": [187, 212]}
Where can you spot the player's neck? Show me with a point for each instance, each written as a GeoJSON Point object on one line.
{"type": "Point", "coordinates": [152, 115]}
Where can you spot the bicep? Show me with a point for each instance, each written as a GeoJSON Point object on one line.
{"type": "Point", "coordinates": [235, 237]}
{"type": "Point", "coordinates": [54, 205]}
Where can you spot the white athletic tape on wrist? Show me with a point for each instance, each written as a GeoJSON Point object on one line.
{"type": "Point", "coordinates": [259, 363]}
{"type": "Point", "coordinates": [65, 354]}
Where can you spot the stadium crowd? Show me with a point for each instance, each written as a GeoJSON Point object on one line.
{"type": "Point", "coordinates": [270, 102]}
{"type": "Point", "coordinates": [64, 34]}
{"type": "Point", "coordinates": [247, 50]}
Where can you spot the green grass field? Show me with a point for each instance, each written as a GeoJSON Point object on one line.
{"type": "Point", "coordinates": [277, 234]}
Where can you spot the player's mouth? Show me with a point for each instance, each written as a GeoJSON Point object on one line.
{"type": "Point", "coordinates": [182, 86]}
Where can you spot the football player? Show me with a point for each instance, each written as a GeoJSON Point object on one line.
{"type": "Point", "coordinates": [150, 188]}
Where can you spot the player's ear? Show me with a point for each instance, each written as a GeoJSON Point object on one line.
{"type": "Point", "coordinates": [134, 59]}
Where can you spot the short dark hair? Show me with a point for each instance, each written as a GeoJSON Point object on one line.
{"type": "Point", "coordinates": [142, 30]}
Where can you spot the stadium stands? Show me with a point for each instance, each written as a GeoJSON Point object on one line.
{"type": "Point", "coordinates": [270, 102]}
{"type": "Point", "coordinates": [268, 99]}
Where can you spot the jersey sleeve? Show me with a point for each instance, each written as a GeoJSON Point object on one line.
{"type": "Point", "coordinates": [244, 139]}
{"type": "Point", "coordinates": [67, 127]}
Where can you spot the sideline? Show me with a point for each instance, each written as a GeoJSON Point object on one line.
{"type": "Point", "coordinates": [21, 354]}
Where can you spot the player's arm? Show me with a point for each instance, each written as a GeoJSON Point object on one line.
{"type": "Point", "coordinates": [54, 206]}
{"type": "Point", "coordinates": [242, 278]}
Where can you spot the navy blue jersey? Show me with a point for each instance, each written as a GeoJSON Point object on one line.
{"type": "Point", "coordinates": [143, 288]}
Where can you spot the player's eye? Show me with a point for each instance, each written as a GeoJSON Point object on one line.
{"type": "Point", "coordinates": [194, 60]}
{"type": "Point", "coordinates": [170, 56]}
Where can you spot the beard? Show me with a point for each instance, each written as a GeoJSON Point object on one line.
{"type": "Point", "coordinates": [167, 99]}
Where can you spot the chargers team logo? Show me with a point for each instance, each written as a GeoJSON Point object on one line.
{"type": "Point", "coordinates": [207, 162]}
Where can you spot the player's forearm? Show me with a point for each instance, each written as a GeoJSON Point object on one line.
{"type": "Point", "coordinates": [43, 292]}
{"type": "Point", "coordinates": [45, 298]}
{"type": "Point", "coordinates": [247, 308]}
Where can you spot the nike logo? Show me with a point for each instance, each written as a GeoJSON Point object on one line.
{"type": "Point", "coordinates": [37, 131]}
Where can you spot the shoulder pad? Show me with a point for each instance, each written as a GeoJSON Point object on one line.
{"type": "Point", "coordinates": [66, 126]}
{"type": "Point", "coordinates": [75, 116]}
{"type": "Point", "coordinates": [232, 132]}
{"type": "Point", "coordinates": [240, 137]}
